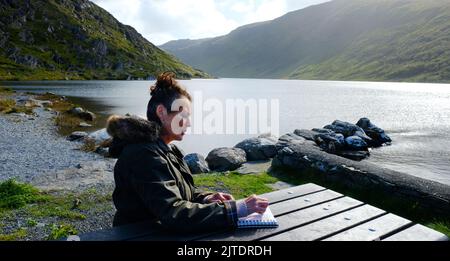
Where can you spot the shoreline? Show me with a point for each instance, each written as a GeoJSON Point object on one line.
{"type": "Point", "coordinates": [35, 153]}
{"type": "Point", "coordinates": [33, 146]}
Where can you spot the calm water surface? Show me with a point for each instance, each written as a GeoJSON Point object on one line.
{"type": "Point", "coordinates": [416, 116]}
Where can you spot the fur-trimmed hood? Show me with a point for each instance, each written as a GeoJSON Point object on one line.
{"type": "Point", "coordinates": [130, 130]}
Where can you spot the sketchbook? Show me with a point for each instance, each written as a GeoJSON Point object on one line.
{"type": "Point", "coordinates": [256, 220]}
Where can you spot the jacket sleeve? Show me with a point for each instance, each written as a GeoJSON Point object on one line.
{"type": "Point", "coordinates": [200, 195]}
{"type": "Point", "coordinates": [158, 190]}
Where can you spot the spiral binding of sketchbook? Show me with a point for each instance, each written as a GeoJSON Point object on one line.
{"type": "Point", "coordinates": [255, 220]}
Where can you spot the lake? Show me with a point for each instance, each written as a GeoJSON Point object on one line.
{"type": "Point", "coordinates": [415, 115]}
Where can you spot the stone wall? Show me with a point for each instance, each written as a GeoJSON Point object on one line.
{"type": "Point", "coordinates": [304, 155]}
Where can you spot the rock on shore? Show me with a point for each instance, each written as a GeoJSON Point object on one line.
{"type": "Point", "coordinates": [260, 148]}
{"type": "Point", "coordinates": [197, 163]}
{"type": "Point", "coordinates": [226, 159]}
{"type": "Point", "coordinates": [346, 139]}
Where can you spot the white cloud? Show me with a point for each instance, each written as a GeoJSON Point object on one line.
{"type": "Point", "coordinates": [164, 20]}
{"type": "Point", "coordinates": [267, 10]}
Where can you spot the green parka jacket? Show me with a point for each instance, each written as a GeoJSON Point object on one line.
{"type": "Point", "coordinates": [154, 183]}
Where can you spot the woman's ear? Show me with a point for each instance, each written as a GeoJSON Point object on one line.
{"type": "Point", "coordinates": [161, 111]}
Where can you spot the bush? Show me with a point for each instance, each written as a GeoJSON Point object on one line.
{"type": "Point", "coordinates": [15, 195]}
{"type": "Point", "coordinates": [31, 222]}
{"type": "Point", "coordinates": [9, 106]}
{"type": "Point", "coordinates": [61, 230]}
{"type": "Point", "coordinates": [6, 104]}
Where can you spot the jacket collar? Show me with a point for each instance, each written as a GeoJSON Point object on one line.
{"type": "Point", "coordinates": [132, 129]}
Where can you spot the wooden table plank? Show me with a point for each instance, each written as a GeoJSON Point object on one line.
{"type": "Point", "coordinates": [290, 205]}
{"type": "Point", "coordinates": [418, 233]}
{"type": "Point", "coordinates": [331, 225]}
{"type": "Point", "coordinates": [290, 221]}
{"type": "Point", "coordinates": [289, 193]}
{"type": "Point", "coordinates": [372, 230]}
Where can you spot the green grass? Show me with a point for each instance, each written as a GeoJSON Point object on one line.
{"type": "Point", "coordinates": [6, 105]}
{"type": "Point", "coordinates": [62, 205]}
{"type": "Point", "coordinates": [442, 226]}
{"type": "Point", "coordinates": [16, 235]}
{"type": "Point", "coordinates": [15, 195]}
{"type": "Point", "coordinates": [33, 206]}
{"type": "Point", "coordinates": [20, 109]}
{"type": "Point", "coordinates": [66, 120]}
{"type": "Point", "coordinates": [140, 58]}
{"type": "Point", "coordinates": [31, 222]}
{"type": "Point", "coordinates": [48, 97]}
{"type": "Point", "coordinates": [61, 230]}
{"type": "Point", "coordinates": [240, 186]}
{"type": "Point", "coordinates": [54, 208]}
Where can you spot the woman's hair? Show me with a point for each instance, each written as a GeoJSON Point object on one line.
{"type": "Point", "coordinates": [165, 92]}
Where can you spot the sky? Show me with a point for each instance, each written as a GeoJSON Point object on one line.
{"type": "Point", "coordinates": [163, 20]}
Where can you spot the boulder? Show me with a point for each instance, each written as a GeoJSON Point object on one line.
{"type": "Point", "coordinates": [87, 116]}
{"type": "Point", "coordinates": [261, 148]}
{"type": "Point", "coordinates": [325, 139]}
{"type": "Point", "coordinates": [99, 136]}
{"type": "Point", "coordinates": [226, 159]}
{"type": "Point", "coordinates": [307, 134]}
{"type": "Point", "coordinates": [269, 137]}
{"type": "Point", "coordinates": [325, 131]}
{"type": "Point", "coordinates": [197, 163]}
{"type": "Point", "coordinates": [77, 135]}
{"type": "Point", "coordinates": [378, 135]}
{"type": "Point", "coordinates": [82, 114]}
{"type": "Point", "coordinates": [76, 110]}
{"type": "Point", "coordinates": [254, 167]}
{"type": "Point", "coordinates": [347, 129]}
{"type": "Point", "coordinates": [356, 143]}
{"type": "Point", "coordinates": [290, 138]}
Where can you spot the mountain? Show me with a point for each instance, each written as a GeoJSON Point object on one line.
{"type": "Point", "coordinates": [76, 39]}
{"type": "Point", "coordinates": [379, 40]}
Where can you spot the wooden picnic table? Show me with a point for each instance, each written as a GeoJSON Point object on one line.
{"type": "Point", "coordinates": [304, 213]}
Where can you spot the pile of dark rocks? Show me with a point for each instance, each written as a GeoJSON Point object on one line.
{"type": "Point", "coordinates": [352, 141]}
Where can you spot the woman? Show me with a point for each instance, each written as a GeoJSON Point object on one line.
{"type": "Point", "coordinates": [153, 182]}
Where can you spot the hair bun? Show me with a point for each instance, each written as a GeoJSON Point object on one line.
{"type": "Point", "coordinates": [165, 81]}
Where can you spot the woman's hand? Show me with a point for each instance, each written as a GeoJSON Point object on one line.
{"type": "Point", "coordinates": [256, 204]}
{"type": "Point", "coordinates": [218, 197]}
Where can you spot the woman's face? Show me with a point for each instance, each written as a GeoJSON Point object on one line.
{"type": "Point", "coordinates": [176, 120]}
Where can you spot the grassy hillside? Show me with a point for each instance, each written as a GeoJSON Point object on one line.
{"type": "Point", "coordinates": [75, 39]}
{"type": "Point", "coordinates": [393, 40]}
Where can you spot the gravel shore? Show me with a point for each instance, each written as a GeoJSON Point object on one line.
{"type": "Point", "coordinates": [32, 151]}
{"type": "Point", "coordinates": [31, 146]}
